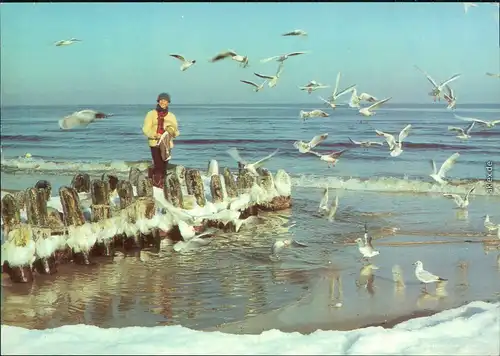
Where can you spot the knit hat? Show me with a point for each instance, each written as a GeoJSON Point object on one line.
{"type": "Point", "coordinates": [165, 96]}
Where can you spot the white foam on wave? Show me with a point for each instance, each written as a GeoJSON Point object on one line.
{"type": "Point", "coordinates": [389, 184]}
{"type": "Point", "coordinates": [69, 167]}
{"type": "Point", "coordinates": [380, 184]}
{"type": "Point", "coordinates": [472, 329]}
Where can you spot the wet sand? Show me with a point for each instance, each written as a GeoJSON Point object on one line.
{"type": "Point", "coordinates": [233, 286]}
{"type": "Point", "coordinates": [100, 295]}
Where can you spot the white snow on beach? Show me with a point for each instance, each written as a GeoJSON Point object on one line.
{"type": "Point", "coordinates": [473, 329]}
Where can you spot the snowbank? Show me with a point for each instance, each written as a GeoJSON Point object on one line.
{"type": "Point", "coordinates": [473, 329]}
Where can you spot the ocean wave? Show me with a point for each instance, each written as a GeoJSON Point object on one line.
{"type": "Point", "coordinates": [30, 165]}
{"type": "Point", "coordinates": [380, 183]}
{"type": "Point", "coordinates": [394, 185]}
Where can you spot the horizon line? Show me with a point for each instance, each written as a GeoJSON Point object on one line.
{"type": "Point", "coordinates": [239, 103]}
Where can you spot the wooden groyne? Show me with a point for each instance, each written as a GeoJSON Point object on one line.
{"type": "Point", "coordinates": [128, 214]}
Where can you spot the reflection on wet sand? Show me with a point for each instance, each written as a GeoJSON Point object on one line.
{"type": "Point", "coordinates": [233, 283]}
{"type": "Point", "coordinates": [338, 297]}
{"type": "Point", "coordinates": [433, 300]}
{"type": "Point", "coordinates": [462, 282]}
{"type": "Point", "coordinates": [399, 283]}
{"type": "Point", "coordinates": [366, 278]}
{"type": "Point", "coordinates": [198, 289]}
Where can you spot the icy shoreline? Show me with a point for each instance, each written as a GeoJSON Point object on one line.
{"type": "Point", "coordinates": [472, 329]}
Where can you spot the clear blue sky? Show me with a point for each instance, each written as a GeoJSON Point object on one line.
{"type": "Point", "coordinates": [123, 58]}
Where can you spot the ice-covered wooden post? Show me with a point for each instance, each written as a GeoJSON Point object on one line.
{"type": "Point", "coordinates": [101, 212]}
{"type": "Point", "coordinates": [230, 183]}
{"type": "Point", "coordinates": [38, 219]}
{"type": "Point", "coordinates": [195, 186]}
{"type": "Point", "coordinates": [81, 183]}
{"type": "Point", "coordinates": [18, 250]}
{"type": "Point", "coordinates": [81, 238]}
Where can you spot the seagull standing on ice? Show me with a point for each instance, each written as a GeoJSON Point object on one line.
{"type": "Point", "coordinates": [336, 93]}
{"type": "Point", "coordinates": [66, 42]}
{"type": "Point", "coordinates": [462, 203]}
{"type": "Point", "coordinates": [81, 118]}
{"type": "Point", "coordinates": [437, 89]}
{"type": "Point", "coordinates": [488, 124]}
{"type": "Point", "coordinates": [424, 276]}
{"type": "Point", "coordinates": [330, 158]}
{"type": "Point", "coordinates": [304, 147]}
{"type": "Point", "coordinates": [283, 57]}
{"type": "Point", "coordinates": [251, 167]}
{"type": "Point", "coordinates": [295, 33]}
{"type": "Point", "coordinates": [355, 99]}
{"type": "Point", "coordinates": [243, 60]}
{"type": "Point", "coordinates": [445, 167]}
{"type": "Point", "coordinates": [257, 88]}
{"type": "Point", "coordinates": [273, 79]}
{"type": "Point", "coordinates": [463, 134]}
{"type": "Point", "coordinates": [396, 147]}
{"type": "Point", "coordinates": [367, 111]}
{"type": "Point", "coordinates": [185, 63]}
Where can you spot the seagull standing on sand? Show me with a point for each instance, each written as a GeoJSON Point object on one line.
{"type": "Point", "coordinates": [462, 203]}
{"type": "Point", "coordinates": [488, 124]}
{"type": "Point", "coordinates": [243, 60]}
{"type": "Point", "coordinates": [257, 88]}
{"type": "Point", "coordinates": [336, 93]}
{"type": "Point", "coordinates": [304, 147]}
{"type": "Point", "coordinates": [251, 167]}
{"type": "Point", "coordinates": [185, 63]}
{"type": "Point", "coordinates": [81, 118]}
{"type": "Point", "coordinates": [367, 111]}
{"type": "Point", "coordinates": [330, 158]}
{"type": "Point", "coordinates": [66, 42]}
{"type": "Point", "coordinates": [437, 89]}
{"type": "Point", "coordinates": [446, 166]}
{"type": "Point", "coordinates": [310, 114]}
{"type": "Point", "coordinates": [273, 79]}
{"type": "Point", "coordinates": [295, 33]}
{"type": "Point", "coordinates": [463, 134]}
{"type": "Point", "coordinates": [283, 57]}
{"type": "Point", "coordinates": [355, 99]}
{"type": "Point", "coordinates": [396, 148]}
{"type": "Point", "coordinates": [424, 276]}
